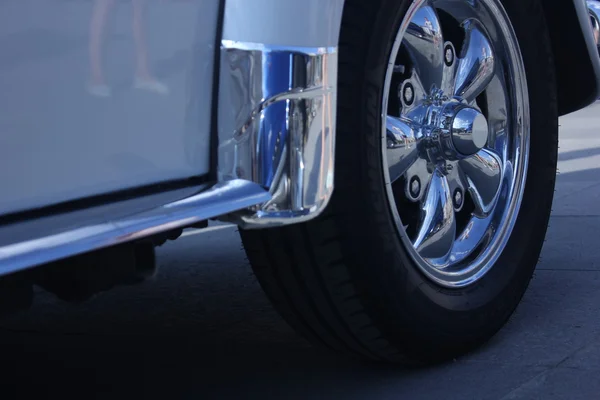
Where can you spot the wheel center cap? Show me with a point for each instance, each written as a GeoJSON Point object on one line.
{"type": "Point", "coordinates": [469, 131]}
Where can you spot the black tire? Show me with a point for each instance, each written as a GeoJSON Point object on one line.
{"type": "Point", "coordinates": [344, 280]}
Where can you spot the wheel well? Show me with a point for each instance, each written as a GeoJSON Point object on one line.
{"type": "Point", "coordinates": [576, 58]}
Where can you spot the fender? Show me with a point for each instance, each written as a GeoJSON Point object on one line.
{"type": "Point", "coordinates": [576, 58]}
{"type": "Point", "coordinates": [277, 104]}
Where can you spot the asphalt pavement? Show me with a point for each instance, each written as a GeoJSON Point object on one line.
{"type": "Point", "coordinates": [202, 329]}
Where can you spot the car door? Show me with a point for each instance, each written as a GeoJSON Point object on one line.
{"type": "Point", "coordinates": [98, 96]}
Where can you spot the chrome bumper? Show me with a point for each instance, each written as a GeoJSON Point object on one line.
{"type": "Point", "coordinates": [277, 113]}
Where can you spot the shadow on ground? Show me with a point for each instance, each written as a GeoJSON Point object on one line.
{"type": "Point", "coordinates": [203, 329]}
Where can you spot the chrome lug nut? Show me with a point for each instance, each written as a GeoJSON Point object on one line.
{"type": "Point", "coordinates": [415, 187]}
{"type": "Point", "coordinates": [408, 94]}
{"type": "Point", "coordinates": [449, 55]}
{"type": "Point", "coordinates": [458, 198]}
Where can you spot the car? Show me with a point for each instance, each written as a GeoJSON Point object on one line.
{"type": "Point", "coordinates": [390, 163]}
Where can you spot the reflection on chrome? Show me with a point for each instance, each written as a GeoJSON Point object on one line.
{"type": "Point", "coordinates": [484, 175]}
{"type": "Point", "coordinates": [438, 225]}
{"type": "Point", "coordinates": [217, 200]}
{"type": "Point", "coordinates": [464, 176]}
{"type": "Point", "coordinates": [476, 65]}
{"type": "Point", "coordinates": [425, 45]}
{"type": "Point", "coordinates": [402, 144]}
{"type": "Point", "coordinates": [276, 127]}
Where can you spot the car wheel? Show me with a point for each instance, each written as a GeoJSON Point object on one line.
{"type": "Point", "coordinates": [446, 152]}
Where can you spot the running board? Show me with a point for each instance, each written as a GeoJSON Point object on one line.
{"type": "Point", "coordinates": [44, 240]}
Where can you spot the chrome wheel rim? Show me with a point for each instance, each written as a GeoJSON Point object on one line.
{"type": "Point", "coordinates": [455, 137]}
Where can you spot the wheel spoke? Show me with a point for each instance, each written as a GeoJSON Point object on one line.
{"type": "Point", "coordinates": [476, 65]}
{"type": "Point", "coordinates": [402, 141]}
{"type": "Point", "coordinates": [497, 114]}
{"type": "Point", "coordinates": [483, 172]}
{"type": "Point", "coordinates": [476, 231]}
{"type": "Point", "coordinates": [437, 231]}
{"type": "Point", "coordinates": [424, 43]}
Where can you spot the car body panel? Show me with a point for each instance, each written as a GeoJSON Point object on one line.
{"type": "Point", "coordinates": [62, 231]}
{"type": "Point", "coordinates": [58, 142]}
{"type": "Point", "coordinates": [306, 23]}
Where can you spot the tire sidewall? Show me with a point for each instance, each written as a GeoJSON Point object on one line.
{"type": "Point", "coordinates": [402, 300]}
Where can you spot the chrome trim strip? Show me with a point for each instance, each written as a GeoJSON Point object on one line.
{"type": "Point", "coordinates": [277, 114]}
{"type": "Point", "coordinates": [312, 51]}
{"type": "Point", "coordinates": [222, 198]}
